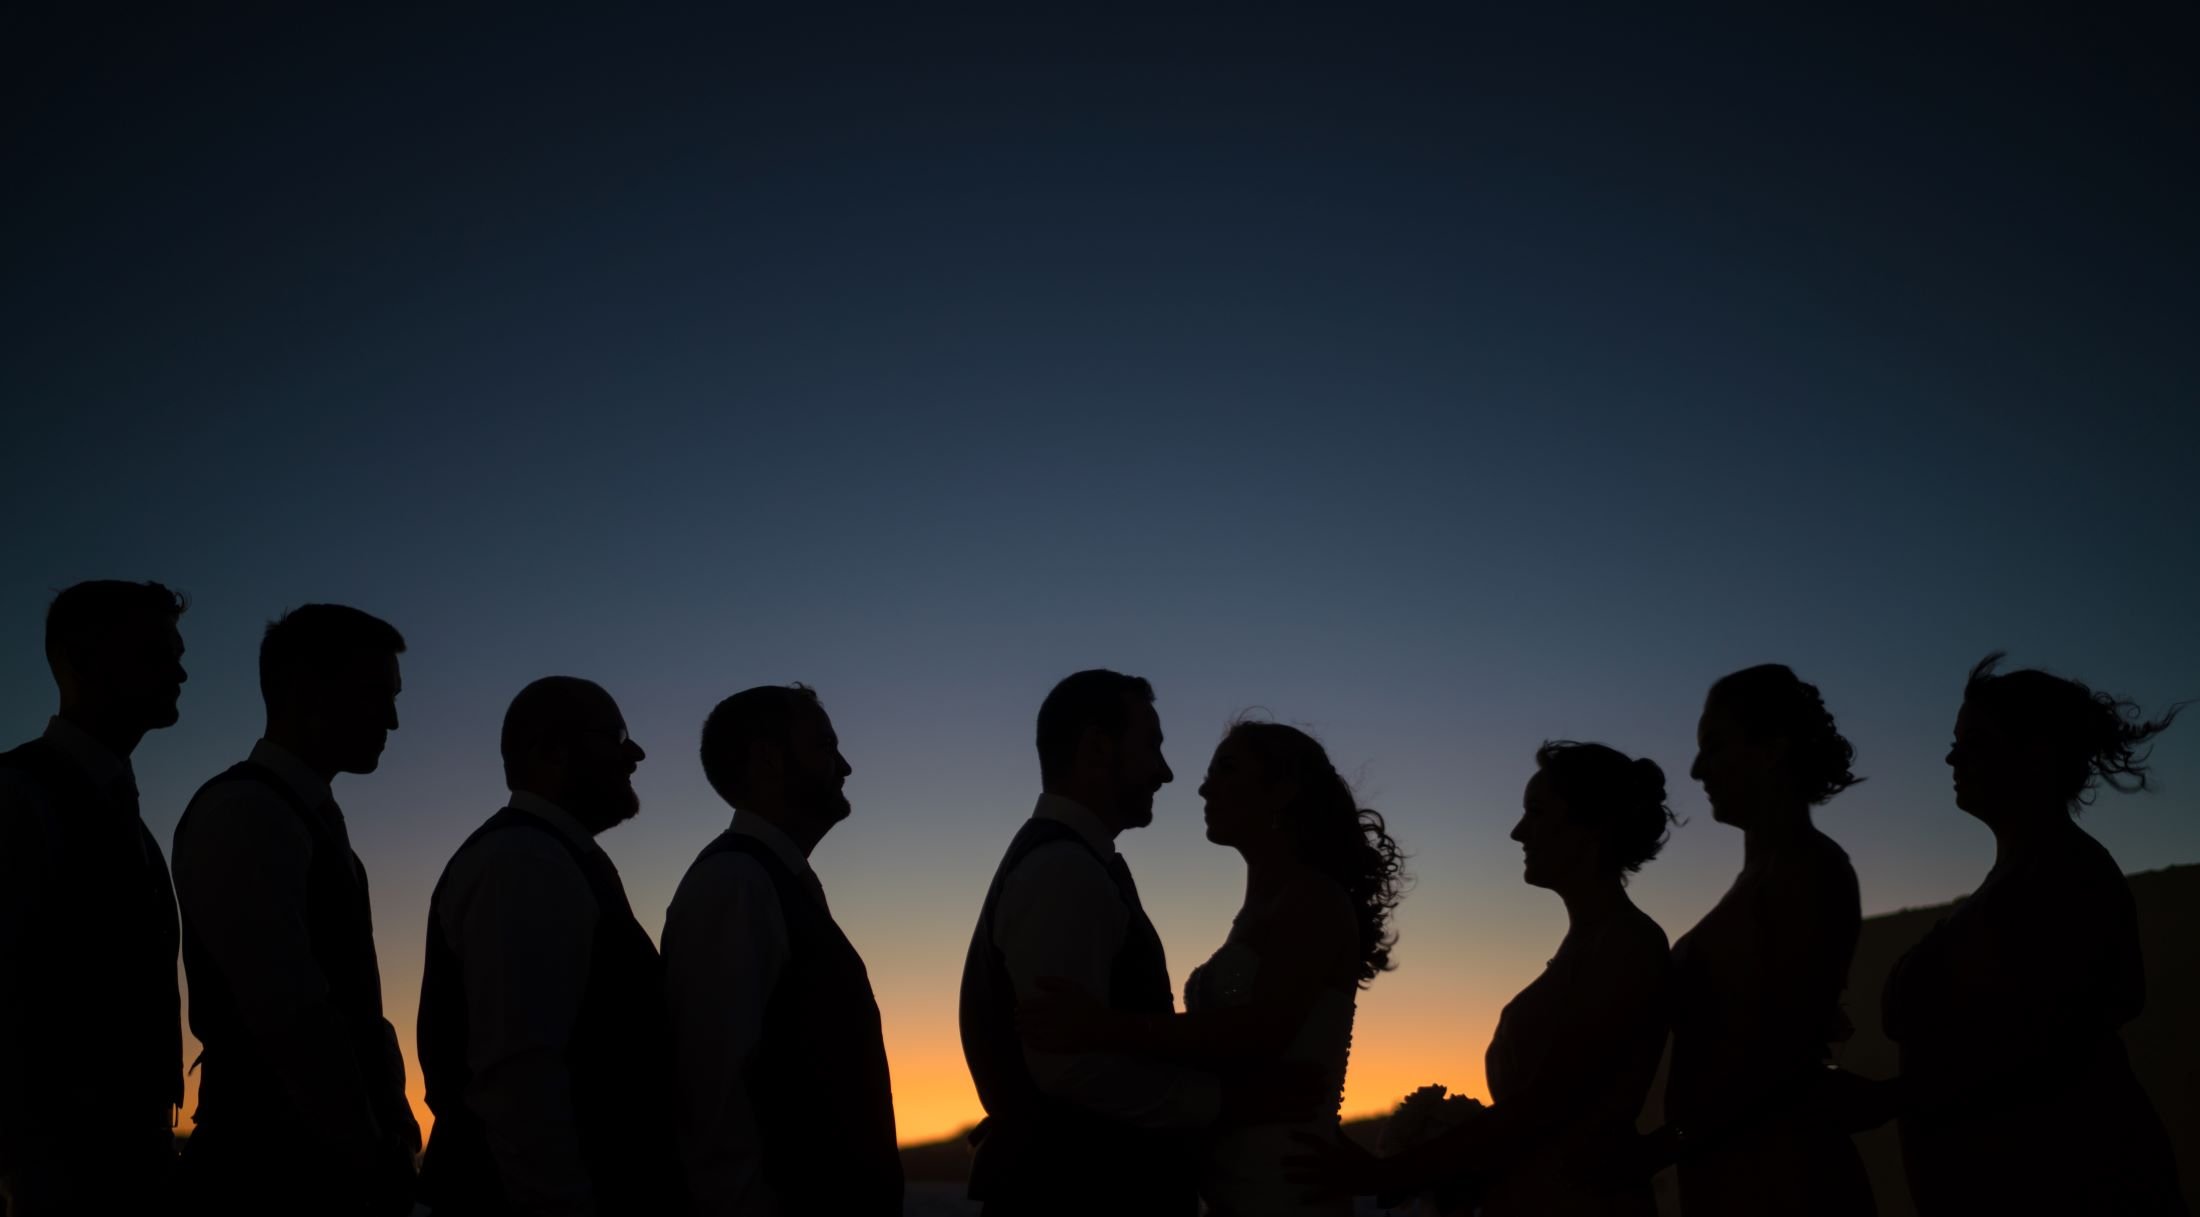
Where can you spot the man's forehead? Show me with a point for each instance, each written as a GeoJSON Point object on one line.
{"type": "Point", "coordinates": [811, 718]}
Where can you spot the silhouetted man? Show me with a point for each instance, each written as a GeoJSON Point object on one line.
{"type": "Point", "coordinates": [780, 1059]}
{"type": "Point", "coordinates": [1089, 1133]}
{"type": "Point", "coordinates": [90, 1039]}
{"type": "Point", "coordinates": [542, 1018]}
{"type": "Point", "coordinates": [301, 1087]}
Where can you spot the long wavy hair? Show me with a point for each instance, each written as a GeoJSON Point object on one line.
{"type": "Point", "coordinates": [1334, 834]}
{"type": "Point", "coordinates": [2089, 737]}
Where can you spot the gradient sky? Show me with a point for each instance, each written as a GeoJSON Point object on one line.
{"type": "Point", "coordinates": [1442, 384]}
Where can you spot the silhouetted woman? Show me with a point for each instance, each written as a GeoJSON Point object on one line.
{"type": "Point", "coordinates": [1757, 982]}
{"type": "Point", "coordinates": [2019, 1098]}
{"type": "Point", "coordinates": [1574, 1053]}
{"type": "Point", "coordinates": [1275, 1002]}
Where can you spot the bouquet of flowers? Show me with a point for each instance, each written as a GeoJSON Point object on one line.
{"type": "Point", "coordinates": [1422, 1117]}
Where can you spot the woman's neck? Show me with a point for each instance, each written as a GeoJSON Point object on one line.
{"type": "Point", "coordinates": [1775, 829]}
{"type": "Point", "coordinates": [2030, 832]}
{"type": "Point", "coordinates": [1592, 902]}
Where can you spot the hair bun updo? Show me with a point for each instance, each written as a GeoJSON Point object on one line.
{"type": "Point", "coordinates": [1622, 798]}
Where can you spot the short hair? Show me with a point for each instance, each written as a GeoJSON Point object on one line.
{"type": "Point", "coordinates": [1771, 701]}
{"type": "Point", "coordinates": [1095, 698]}
{"type": "Point", "coordinates": [765, 713]}
{"type": "Point", "coordinates": [86, 616]}
{"type": "Point", "coordinates": [548, 711]}
{"type": "Point", "coordinates": [317, 639]}
{"type": "Point", "coordinates": [1621, 798]}
{"type": "Point", "coordinates": [2088, 736]}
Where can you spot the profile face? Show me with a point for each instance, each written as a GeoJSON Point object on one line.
{"type": "Point", "coordinates": [1139, 769]}
{"type": "Point", "coordinates": [362, 711]}
{"type": "Point", "coordinates": [1556, 849]}
{"type": "Point", "coordinates": [1736, 771]}
{"type": "Point", "coordinates": [1239, 799]}
{"type": "Point", "coordinates": [149, 674]}
{"type": "Point", "coordinates": [817, 773]}
{"type": "Point", "coordinates": [601, 760]}
{"type": "Point", "coordinates": [1990, 767]}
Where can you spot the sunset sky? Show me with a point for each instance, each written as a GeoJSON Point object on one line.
{"type": "Point", "coordinates": [1441, 384]}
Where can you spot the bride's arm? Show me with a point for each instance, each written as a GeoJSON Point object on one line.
{"type": "Point", "coordinates": [1301, 950]}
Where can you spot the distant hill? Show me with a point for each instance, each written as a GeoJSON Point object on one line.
{"type": "Point", "coordinates": [2164, 1046]}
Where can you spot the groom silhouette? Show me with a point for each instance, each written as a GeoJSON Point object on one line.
{"type": "Point", "coordinates": [1084, 1133]}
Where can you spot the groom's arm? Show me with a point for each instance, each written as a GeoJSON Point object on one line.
{"type": "Point", "coordinates": [523, 922]}
{"type": "Point", "coordinates": [725, 945]}
{"type": "Point", "coordinates": [1060, 915]}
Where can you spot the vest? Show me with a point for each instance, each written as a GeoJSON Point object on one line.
{"type": "Point", "coordinates": [819, 1075]}
{"type": "Point", "coordinates": [619, 1060]}
{"type": "Point", "coordinates": [241, 1084]}
{"type": "Point", "coordinates": [1034, 1149]}
{"type": "Point", "coordinates": [103, 1048]}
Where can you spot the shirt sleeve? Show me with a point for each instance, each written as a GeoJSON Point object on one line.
{"type": "Point", "coordinates": [241, 861]}
{"type": "Point", "coordinates": [522, 922]}
{"type": "Point", "coordinates": [725, 944]}
{"type": "Point", "coordinates": [1059, 914]}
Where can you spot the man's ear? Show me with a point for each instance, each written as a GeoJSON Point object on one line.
{"type": "Point", "coordinates": [546, 756]}
{"type": "Point", "coordinates": [1095, 751]}
{"type": "Point", "coordinates": [767, 765]}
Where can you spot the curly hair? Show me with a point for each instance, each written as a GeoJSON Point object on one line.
{"type": "Point", "coordinates": [1623, 799]}
{"type": "Point", "coordinates": [1771, 702]}
{"type": "Point", "coordinates": [1334, 834]}
{"type": "Point", "coordinates": [2088, 737]}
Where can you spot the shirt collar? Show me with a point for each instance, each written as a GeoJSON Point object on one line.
{"type": "Point", "coordinates": [98, 762]}
{"type": "Point", "coordinates": [775, 838]}
{"type": "Point", "coordinates": [559, 818]}
{"type": "Point", "coordinates": [1075, 814]}
{"type": "Point", "coordinates": [310, 787]}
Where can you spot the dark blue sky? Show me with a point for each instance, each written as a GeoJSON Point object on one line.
{"type": "Point", "coordinates": [1443, 383]}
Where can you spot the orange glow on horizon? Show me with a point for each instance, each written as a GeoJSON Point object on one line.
{"type": "Point", "coordinates": [1395, 1049]}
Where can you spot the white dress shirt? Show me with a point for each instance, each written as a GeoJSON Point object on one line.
{"type": "Point", "coordinates": [521, 918]}
{"type": "Point", "coordinates": [241, 864]}
{"type": "Point", "coordinates": [26, 859]}
{"type": "Point", "coordinates": [725, 943]}
{"type": "Point", "coordinates": [1060, 914]}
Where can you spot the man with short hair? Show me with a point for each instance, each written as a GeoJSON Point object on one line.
{"type": "Point", "coordinates": [781, 1061]}
{"type": "Point", "coordinates": [90, 1036]}
{"type": "Point", "coordinates": [542, 1016]}
{"type": "Point", "coordinates": [1082, 1134]}
{"type": "Point", "coordinates": [302, 1102]}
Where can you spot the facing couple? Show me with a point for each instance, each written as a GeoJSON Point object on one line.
{"type": "Point", "coordinates": [1099, 1096]}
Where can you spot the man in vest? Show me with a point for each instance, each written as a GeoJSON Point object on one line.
{"type": "Point", "coordinates": [1087, 1133]}
{"type": "Point", "coordinates": [90, 1038]}
{"type": "Point", "coordinates": [782, 1066]}
{"type": "Point", "coordinates": [302, 1102]}
{"type": "Point", "coordinates": [542, 1019]}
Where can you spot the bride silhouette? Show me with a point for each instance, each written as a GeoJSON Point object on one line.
{"type": "Point", "coordinates": [1271, 1011]}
